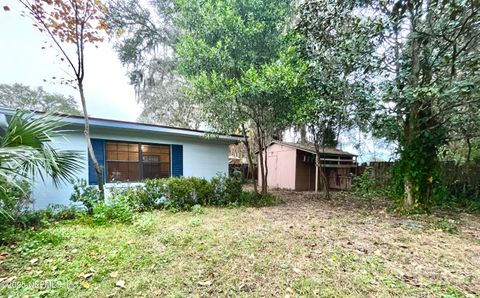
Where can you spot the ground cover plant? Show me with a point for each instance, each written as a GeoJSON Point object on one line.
{"type": "Point", "coordinates": [305, 246]}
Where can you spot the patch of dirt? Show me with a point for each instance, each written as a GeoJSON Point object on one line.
{"type": "Point", "coordinates": [413, 248]}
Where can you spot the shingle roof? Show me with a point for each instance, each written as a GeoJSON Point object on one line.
{"type": "Point", "coordinates": [311, 148]}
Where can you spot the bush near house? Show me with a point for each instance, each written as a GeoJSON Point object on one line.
{"type": "Point", "coordinates": [173, 194]}
{"type": "Point", "coordinates": [182, 193]}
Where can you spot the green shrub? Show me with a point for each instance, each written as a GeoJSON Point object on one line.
{"type": "Point", "coordinates": [234, 187]}
{"type": "Point", "coordinates": [151, 195]}
{"type": "Point", "coordinates": [202, 191]}
{"type": "Point", "coordinates": [61, 212]}
{"type": "Point", "coordinates": [31, 218]}
{"type": "Point", "coordinates": [180, 193]}
{"type": "Point", "coordinates": [226, 190]}
{"type": "Point", "coordinates": [364, 185]}
{"type": "Point", "coordinates": [14, 201]}
{"type": "Point", "coordinates": [116, 210]}
{"type": "Point", "coordinates": [88, 195]}
{"type": "Point", "coordinates": [183, 193]}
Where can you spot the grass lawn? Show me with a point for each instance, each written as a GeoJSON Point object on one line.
{"type": "Point", "coordinates": [303, 247]}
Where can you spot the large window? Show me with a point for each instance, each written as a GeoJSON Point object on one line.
{"type": "Point", "coordinates": [135, 162]}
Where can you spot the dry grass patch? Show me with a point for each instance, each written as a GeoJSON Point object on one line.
{"type": "Point", "coordinates": [305, 246]}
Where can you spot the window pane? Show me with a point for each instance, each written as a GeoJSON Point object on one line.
{"type": "Point", "coordinates": [112, 155]}
{"type": "Point", "coordinates": [165, 149]}
{"type": "Point", "coordinates": [156, 161]}
{"type": "Point", "coordinates": [122, 156]}
{"type": "Point", "coordinates": [165, 158]}
{"type": "Point", "coordinates": [133, 171]}
{"type": "Point", "coordinates": [122, 162]}
{"type": "Point", "coordinates": [133, 156]}
{"type": "Point", "coordinates": [165, 167]}
{"type": "Point", "coordinates": [122, 171]}
{"type": "Point", "coordinates": [122, 147]}
{"type": "Point", "coordinates": [133, 148]}
{"type": "Point", "coordinates": [154, 170]}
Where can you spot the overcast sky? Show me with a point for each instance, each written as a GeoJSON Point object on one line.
{"type": "Point", "coordinates": [108, 92]}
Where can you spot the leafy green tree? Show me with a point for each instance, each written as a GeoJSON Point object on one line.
{"type": "Point", "coordinates": [463, 133]}
{"type": "Point", "coordinates": [267, 96]}
{"type": "Point", "coordinates": [431, 74]}
{"type": "Point", "coordinates": [337, 43]}
{"type": "Point", "coordinates": [225, 45]}
{"type": "Point", "coordinates": [25, 97]}
{"type": "Point", "coordinates": [428, 61]}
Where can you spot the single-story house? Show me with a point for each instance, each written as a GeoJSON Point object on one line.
{"type": "Point", "coordinates": [131, 152]}
{"type": "Point", "coordinates": [292, 166]}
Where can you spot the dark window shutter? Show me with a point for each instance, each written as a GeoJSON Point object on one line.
{"type": "Point", "coordinates": [177, 160]}
{"type": "Point", "coordinates": [99, 149]}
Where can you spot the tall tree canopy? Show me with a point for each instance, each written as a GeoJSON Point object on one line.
{"type": "Point", "coordinates": [145, 43]}
{"type": "Point", "coordinates": [231, 52]}
{"type": "Point", "coordinates": [427, 58]}
{"type": "Point", "coordinates": [338, 42]}
{"type": "Point", "coordinates": [24, 97]}
{"type": "Point", "coordinates": [431, 63]}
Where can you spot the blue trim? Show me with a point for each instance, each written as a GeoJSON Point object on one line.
{"type": "Point", "coordinates": [99, 149]}
{"type": "Point", "coordinates": [177, 160]}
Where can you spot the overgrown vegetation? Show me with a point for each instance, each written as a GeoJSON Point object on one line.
{"type": "Point", "coordinates": [183, 193]}
{"type": "Point", "coordinates": [364, 185]}
{"type": "Point", "coordinates": [403, 71]}
{"type": "Point", "coordinates": [26, 153]}
{"type": "Point", "coordinates": [304, 248]}
{"type": "Point", "coordinates": [456, 189]}
{"type": "Point", "coordinates": [174, 194]}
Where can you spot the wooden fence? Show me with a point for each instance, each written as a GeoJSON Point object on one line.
{"type": "Point", "coordinates": [459, 179]}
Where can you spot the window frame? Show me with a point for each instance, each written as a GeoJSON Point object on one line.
{"type": "Point", "coordinates": [140, 160]}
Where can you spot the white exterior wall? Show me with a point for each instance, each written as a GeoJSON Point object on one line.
{"type": "Point", "coordinates": [201, 158]}
{"type": "Point", "coordinates": [45, 192]}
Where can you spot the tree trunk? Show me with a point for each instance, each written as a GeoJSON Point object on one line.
{"type": "Point", "coordinates": [408, 196]}
{"type": "Point", "coordinates": [266, 163]}
{"type": "Point", "coordinates": [250, 161]}
{"type": "Point", "coordinates": [303, 134]}
{"type": "Point", "coordinates": [408, 199]}
{"type": "Point", "coordinates": [86, 132]}
{"type": "Point", "coordinates": [260, 157]}
{"type": "Point", "coordinates": [323, 178]}
{"type": "Point", "coordinates": [411, 117]}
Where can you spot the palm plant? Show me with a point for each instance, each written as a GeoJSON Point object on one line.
{"type": "Point", "coordinates": [26, 151]}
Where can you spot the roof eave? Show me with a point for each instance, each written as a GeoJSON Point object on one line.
{"type": "Point", "coordinates": [306, 149]}
{"type": "Point", "coordinates": [107, 123]}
